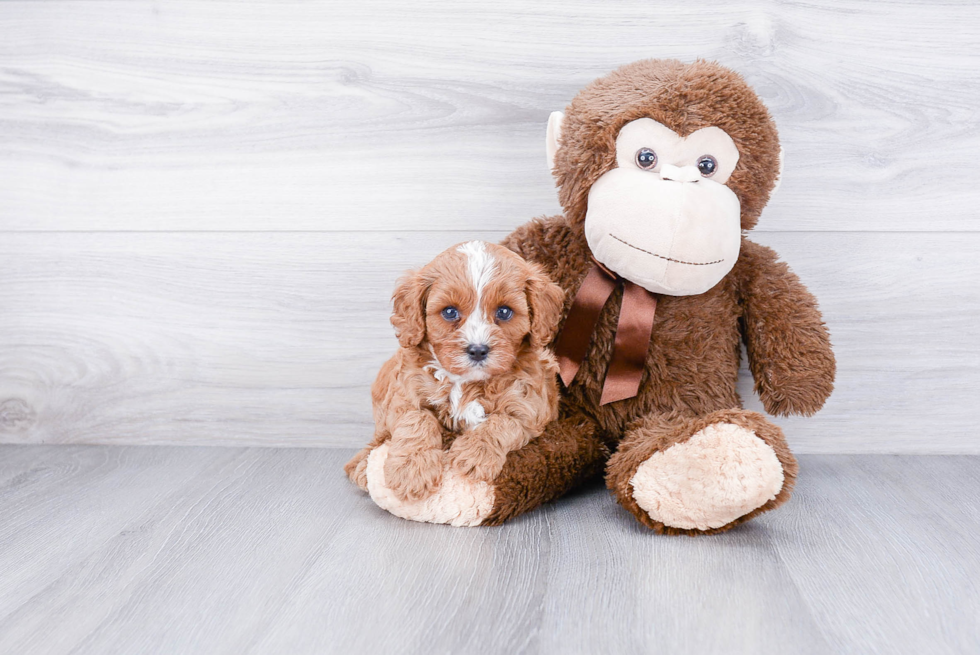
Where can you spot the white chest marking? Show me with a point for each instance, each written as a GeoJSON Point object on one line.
{"type": "Point", "coordinates": [472, 413]}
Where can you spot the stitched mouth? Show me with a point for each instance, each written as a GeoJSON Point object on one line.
{"type": "Point", "coordinates": [669, 259]}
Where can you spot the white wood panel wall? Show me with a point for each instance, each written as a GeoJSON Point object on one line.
{"type": "Point", "coordinates": [204, 207]}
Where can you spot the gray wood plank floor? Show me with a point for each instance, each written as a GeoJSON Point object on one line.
{"type": "Point", "coordinates": [245, 550]}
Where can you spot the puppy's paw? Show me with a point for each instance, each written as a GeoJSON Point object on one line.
{"type": "Point", "coordinates": [356, 468]}
{"type": "Point", "coordinates": [475, 460]}
{"type": "Point", "coordinates": [415, 474]}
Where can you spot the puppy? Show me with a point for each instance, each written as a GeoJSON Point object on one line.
{"type": "Point", "coordinates": [472, 370]}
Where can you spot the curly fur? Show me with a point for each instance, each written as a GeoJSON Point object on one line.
{"type": "Point", "coordinates": [429, 396]}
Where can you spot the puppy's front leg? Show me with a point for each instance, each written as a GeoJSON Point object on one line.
{"type": "Point", "coordinates": [413, 470]}
{"type": "Point", "coordinates": [480, 453]}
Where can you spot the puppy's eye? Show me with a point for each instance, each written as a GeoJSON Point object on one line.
{"type": "Point", "coordinates": [646, 159]}
{"type": "Point", "coordinates": [504, 313]}
{"type": "Point", "coordinates": [450, 314]}
{"type": "Point", "coordinates": [707, 165]}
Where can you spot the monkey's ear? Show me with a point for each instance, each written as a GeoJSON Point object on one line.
{"type": "Point", "coordinates": [408, 316]}
{"type": "Point", "coordinates": [554, 133]}
{"type": "Point", "coordinates": [545, 300]}
{"type": "Point", "coordinates": [779, 175]}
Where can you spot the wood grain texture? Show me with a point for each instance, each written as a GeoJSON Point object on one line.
{"type": "Point", "coordinates": [283, 162]}
{"type": "Point", "coordinates": [393, 115]}
{"type": "Point", "coordinates": [274, 339]}
{"type": "Point", "coordinates": [248, 551]}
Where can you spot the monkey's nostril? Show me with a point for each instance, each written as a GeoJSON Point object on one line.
{"type": "Point", "coordinates": [478, 351]}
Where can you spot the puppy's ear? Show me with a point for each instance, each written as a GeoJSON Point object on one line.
{"type": "Point", "coordinates": [545, 300]}
{"type": "Point", "coordinates": [408, 316]}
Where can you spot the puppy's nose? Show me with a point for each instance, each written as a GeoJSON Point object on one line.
{"type": "Point", "coordinates": [477, 351]}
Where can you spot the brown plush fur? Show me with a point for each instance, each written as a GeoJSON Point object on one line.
{"type": "Point", "coordinates": [693, 359]}
{"type": "Point", "coordinates": [515, 386]}
{"type": "Point", "coordinates": [569, 453]}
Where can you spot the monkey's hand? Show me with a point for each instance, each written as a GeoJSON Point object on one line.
{"type": "Point", "coordinates": [801, 391]}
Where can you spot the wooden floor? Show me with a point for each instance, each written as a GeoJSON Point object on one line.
{"type": "Point", "coordinates": [224, 550]}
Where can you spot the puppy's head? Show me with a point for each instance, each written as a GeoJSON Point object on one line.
{"type": "Point", "coordinates": [475, 306]}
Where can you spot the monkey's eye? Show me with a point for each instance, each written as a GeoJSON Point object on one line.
{"type": "Point", "coordinates": [450, 314]}
{"type": "Point", "coordinates": [504, 313]}
{"type": "Point", "coordinates": [707, 165]}
{"type": "Point", "coordinates": [646, 159]}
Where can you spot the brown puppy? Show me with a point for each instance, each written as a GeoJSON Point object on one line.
{"type": "Point", "coordinates": [472, 371]}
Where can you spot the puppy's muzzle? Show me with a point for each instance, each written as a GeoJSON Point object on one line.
{"type": "Point", "coordinates": [477, 352]}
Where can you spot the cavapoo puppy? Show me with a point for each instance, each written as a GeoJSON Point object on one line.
{"type": "Point", "coordinates": [472, 372]}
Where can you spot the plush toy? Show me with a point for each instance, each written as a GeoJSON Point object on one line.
{"type": "Point", "coordinates": [661, 168]}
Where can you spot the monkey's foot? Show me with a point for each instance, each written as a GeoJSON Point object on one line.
{"type": "Point", "coordinates": [722, 473]}
{"type": "Point", "coordinates": [459, 501]}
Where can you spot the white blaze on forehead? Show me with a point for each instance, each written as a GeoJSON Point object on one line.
{"type": "Point", "coordinates": [480, 263]}
{"type": "Point", "coordinates": [481, 266]}
{"type": "Point", "coordinates": [476, 330]}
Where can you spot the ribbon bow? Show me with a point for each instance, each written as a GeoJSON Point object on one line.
{"type": "Point", "coordinates": [632, 332]}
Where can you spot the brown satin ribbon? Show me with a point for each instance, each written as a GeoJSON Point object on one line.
{"type": "Point", "coordinates": [573, 342]}
{"type": "Point", "coordinates": [633, 333]}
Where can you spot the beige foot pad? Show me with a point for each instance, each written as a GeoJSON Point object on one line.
{"type": "Point", "coordinates": [458, 501]}
{"type": "Point", "coordinates": [718, 475]}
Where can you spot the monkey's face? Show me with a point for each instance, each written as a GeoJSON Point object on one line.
{"type": "Point", "coordinates": [663, 217]}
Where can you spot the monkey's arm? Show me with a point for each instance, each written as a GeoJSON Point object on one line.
{"type": "Point", "coordinates": [527, 239]}
{"type": "Point", "coordinates": [552, 243]}
{"type": "Point", "coordinates": [787, 342]}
